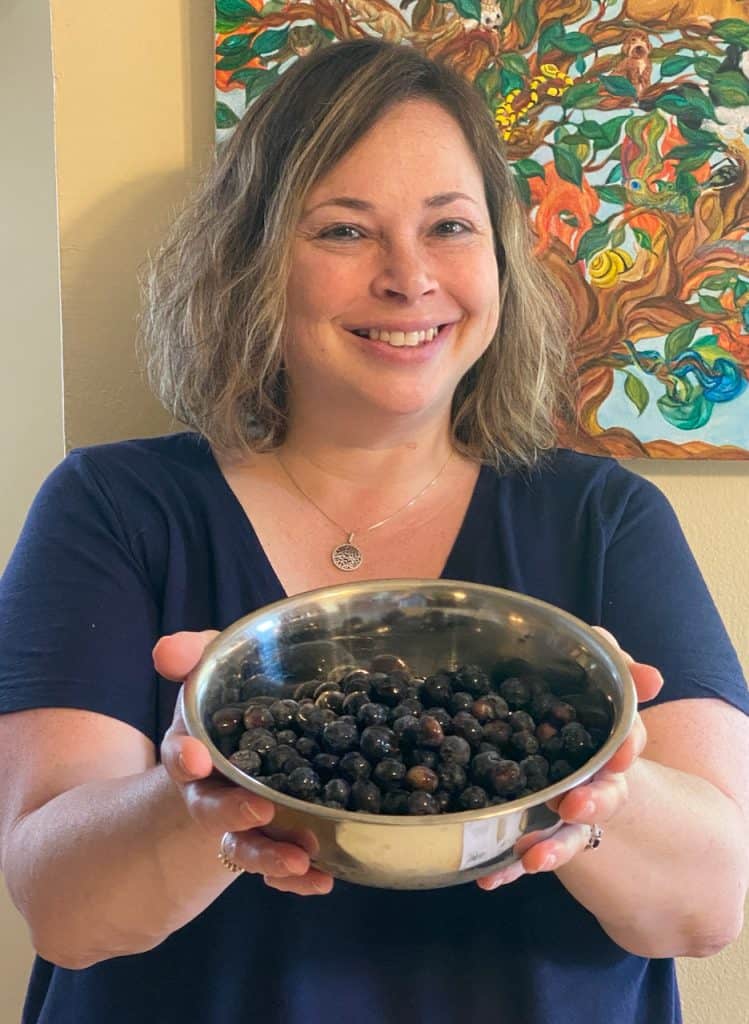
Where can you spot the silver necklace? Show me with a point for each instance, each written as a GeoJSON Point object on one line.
{"type": "Point", "coordinates": [347, 556]}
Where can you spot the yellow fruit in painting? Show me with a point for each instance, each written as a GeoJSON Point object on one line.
{"type": "Point", "coordinates": [607, 265]}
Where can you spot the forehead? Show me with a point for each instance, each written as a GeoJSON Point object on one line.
{"type": "Point", "coordinates": [415, 147]}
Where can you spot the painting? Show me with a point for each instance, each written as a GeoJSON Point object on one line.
{"type": "Point", "coordinates": [627, 126]}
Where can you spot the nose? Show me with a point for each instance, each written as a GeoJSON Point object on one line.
{"type": "Point", "coordinates": [404, 272]}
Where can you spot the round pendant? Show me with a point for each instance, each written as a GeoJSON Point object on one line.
{"type": "Point", "coordinates": [346, 557]}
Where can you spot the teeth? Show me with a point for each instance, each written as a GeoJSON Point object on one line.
{"type": "Point", "coordinates": [399, 339]}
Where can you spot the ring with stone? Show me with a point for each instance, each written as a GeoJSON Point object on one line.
{"type": "Point", "coordinates": [595, 837]}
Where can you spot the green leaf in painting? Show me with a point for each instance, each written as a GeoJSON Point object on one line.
{"type": "Point", "coordinates": [686, 415]}
{"type": "Point", "coordinates": [711, 305]}
{"type": "Point", "coordinates": [643, 239]}
{"type": "Point", "coordinates": [269, 41]}
{"type": "Point", "coordinates": [616, 194]}
{"type": "Point", "coordinates": [592, 130]}
{"type": "Point", "coordinates": [730, 89]}
{"type": "Point", "coordinates": [680, 338]}
{"type": "Point", "coordinates": [575, 42]}
{"type": "Point", "coordinates": [580, 66]}
{"type": "Point", "coordinates": [740, 290]}
{"type": "Point", "coordinates": [611, 129]}
{"type": "Point", "coordinates": [594, 240]}
{"type": "Point", "coordinates": [719, 282]}
{"type": "Point", "coordinates": [508, 80]}
{"type": "Point", "coordinates": [617, 236]}
{"type": "Point", "coordinates": [523, 188]}
{"type": "Point", "coordinates": [225, 116]}
{"type": "Point", "coordinates": [526, 20]}
{"type": "Point", "coordinates": [530, 169]}
{"type": "Point", "coordinates": [488, 82]}
{"type": "Point", "coordinates": [568, 165]}
{"type": "Point", "coordinates": [733, 30]}
{"type": "Point", "coordinates": [637, 393]}
{"type": "Point", "coordinates": [700, 137]}
{"type": "Point", "coordinates": [516, 62]}
{"type": "Point", "coordinates": [675, 65]}
{"type": "Point", "coordinates": [237, 56]}
{"type": "Point", "coordinates": [615, 174]}
{"type": "Point", "coordinates": [706, 67]}
{"type": "Point", "coordinates": [235, 11]}
{"type": "Point", "coordinates": [581, 96]}
{"type": "Point", "coordinates": [232, 44]}
{"type": "Point", "coordinates": [469, 9]}
{"type": "Point", "coordinates": [551, 36]}
{"type": "Point", "coordinates": [618, 85]}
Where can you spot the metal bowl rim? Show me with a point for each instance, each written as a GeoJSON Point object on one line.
{"type": "Point", "coordinates": [600, 645]}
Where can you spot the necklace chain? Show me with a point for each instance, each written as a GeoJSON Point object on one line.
{"type": "Point", "coordinates": [347, 556]}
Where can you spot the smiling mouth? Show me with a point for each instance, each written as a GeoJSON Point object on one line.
{"type": "Point", "coordinates": [399, 339]}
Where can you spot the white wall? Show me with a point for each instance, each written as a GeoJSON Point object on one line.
{"type": "Point", "coordinates": [31, 411]}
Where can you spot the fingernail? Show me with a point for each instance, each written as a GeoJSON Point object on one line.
{"type": "Point", "coordinates": [588, 810]}
{"type": "Point", "coordinates": [182, 766]}
{"type": "Point", "coordinates": [250, 813]}
{"type": "Point", "coordinates": [550, 863]}
{"type": "Point", "coordinates": [320, 887]}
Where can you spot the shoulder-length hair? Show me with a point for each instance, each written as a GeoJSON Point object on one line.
{"type": "Point", "coordinates": [215, 296]}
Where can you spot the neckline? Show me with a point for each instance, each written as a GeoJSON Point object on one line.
{"type": "Point", "coordinates": [265, 571]}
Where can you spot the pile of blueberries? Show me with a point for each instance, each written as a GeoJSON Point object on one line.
{"type": "Point", "coordinates": [381, 740]}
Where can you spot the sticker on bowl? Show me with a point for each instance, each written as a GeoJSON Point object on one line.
{"type": "Point", "coordinates": [485, 840]}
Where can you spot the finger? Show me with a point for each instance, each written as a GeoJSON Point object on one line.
{"type": "Point", "coordinates": [597, 801]}
{"type": "Point", "coordinates": [302, 837]}
{"type": "Point", "coordinates": [222, 807]}
{"type": "Point", "coordinates": [630, 750]}
{"type": "Point", "coordinates": [184, 757]}
{"type": "Point", "coordinates": [554, 853]}
{"type": "Point", "coordinates": [503, 877]}
{"type": "Point", "coordinates": [647, 679]}
{"type": "Point", "coordinates": [260, 855]}
{"type": "Point", "coordinates": [175, 656]}
{"type": "Point", "coordinates": [314, 883]}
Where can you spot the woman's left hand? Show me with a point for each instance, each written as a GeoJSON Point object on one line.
{"type": "Point", "coordinates": [593, 803]}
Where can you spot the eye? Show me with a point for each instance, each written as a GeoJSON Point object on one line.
{"type": "Point", "coordinates": [342, 233]}
{"type": "Point", "coordinates": [451, 227]}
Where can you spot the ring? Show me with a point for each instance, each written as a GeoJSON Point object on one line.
{"type": "Point", "coordinates": [594, 840]}
{"type": "Point", "coordinates": [225, 859]}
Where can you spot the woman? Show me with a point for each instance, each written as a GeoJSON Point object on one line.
{"type": "Point", "coordinates": [349, 318]}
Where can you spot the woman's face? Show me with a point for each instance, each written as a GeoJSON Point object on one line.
{"type": "Point", "coordinates": [393, 293]}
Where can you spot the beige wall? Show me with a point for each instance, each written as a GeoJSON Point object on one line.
{"type": "Point", "coordinates": [133, 129]}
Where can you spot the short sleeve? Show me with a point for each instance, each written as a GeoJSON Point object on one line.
{"type": "Point", "coordinates": [78, 618]}
{"type": "Point", "coordinates": [656, 602]}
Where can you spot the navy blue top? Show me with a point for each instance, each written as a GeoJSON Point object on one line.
{"type": "Point", "coordinates": [127, 542]}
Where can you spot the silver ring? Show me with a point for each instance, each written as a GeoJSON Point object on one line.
{"type": "Point", "coordinates": [225, 859]}
{"type": "Point", "coordinates": [595, 837]}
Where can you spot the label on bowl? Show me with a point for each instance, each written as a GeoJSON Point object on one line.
{"type": "Point", "coordinates": [485, 840]}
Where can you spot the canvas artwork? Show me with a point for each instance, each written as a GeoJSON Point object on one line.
{"type": "Point", "coordinates": [627, 126]}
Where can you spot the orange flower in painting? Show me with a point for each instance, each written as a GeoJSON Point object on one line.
{"type": "Point", "coordinates": [564, 211]}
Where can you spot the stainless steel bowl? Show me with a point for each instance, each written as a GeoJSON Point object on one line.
{"type": "Point", "coordinates": [432, 624]}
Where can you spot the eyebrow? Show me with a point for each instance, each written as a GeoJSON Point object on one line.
{"type": "Point", "coordinates": [441, 199]}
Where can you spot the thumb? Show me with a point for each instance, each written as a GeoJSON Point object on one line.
{"type": "Point", "coordinates": [175, 656]}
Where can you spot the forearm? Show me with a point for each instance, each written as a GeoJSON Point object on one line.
{"type": "Point", "coordinates": [111, 868]}
{"type": "Point", "coordinates": [670, 877]}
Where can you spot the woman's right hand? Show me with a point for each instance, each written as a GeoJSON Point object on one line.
{"type": "Point", "coordinates": [282, 858]}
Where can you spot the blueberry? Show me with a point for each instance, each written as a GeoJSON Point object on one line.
{"type": "Point", "coordinates": [227, 721]}
{"type": "Point", "coordinates": [455, 750]}
{"type": "Point", "coordinates": [420, 777]}
{"type": "Point", "coordinates": [422, 803]}
{"type": "Point", "coordinates": [377, 742]}
{"type": "Point", "coordinates": [496, 733]}
{"type": "Point", "coordinates": [489, 708]}
{"type": "Point", "coordinates": [516, 692]}
{"type": "Point", "coordinates": [506, 778]}
{"type": "Point", "coordinates": [259, 740]}
{"type": "Point", "coordinates": [473, 679]}
{"type": "Point", "coordinates": [331, 700]}
{"type": "Point", "coordinates": [354, 767]}
{"type": "Point", "coordinates": [522, 744]}
{"type": "Point", "coordinates": [406, 729]}
{"type": "Point", "coordinates": [307, 747]}
{"type": "Point", "coordinates": [468, 727]}
{"type": "Point", "coordinates": [371, 714]}
{"type": "Point", "coordinates": [461, 701]}
{"type": "Point", "coordinates": [521, 721]}
{"type": "Point", "coordinates": [356, 681]}
{"type": "Point", "coordinates": [326, 765]}
{"type": "Point", "coordinates": [336, 791]}
{"type": "Point", "coordinates": [430, 732]}
{"type": "Point", "coordinates": [284, 713]}
{"type": "Point", "coordinates": [391, 689]}
{"type": "Point", "coordinates": [365, 796]}
{"type": "Point", "coordinates": [452, 777]}
{"type": "Point", "coordinates": [437, 690]}
{"type": "Point", "coordinates": [473, 798]}
{"type": "Point", "coordinates": [389, 663]}
{"type": "Point", "coordinates": [258, 717]}
{"type": "Point", "coordinates": [303, 783]}
{"type": "Point", "coordinates": [389, 773]}
{"type": "Point", "coordinates": [339, 737]}
{"type": "Point", "coordinates": [395, 802]}
{"type": "Point", "coordinates": [560, 769]}
{"type": "Point", "coordinates": [355, 701]}
{"type": "Point", "coordinates": [420, 755]}
{"type": "Point", "coordinates": [247, 761]}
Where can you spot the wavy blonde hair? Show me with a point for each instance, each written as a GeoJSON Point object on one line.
{"type": "Point", "coordinates": [215, 296]}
